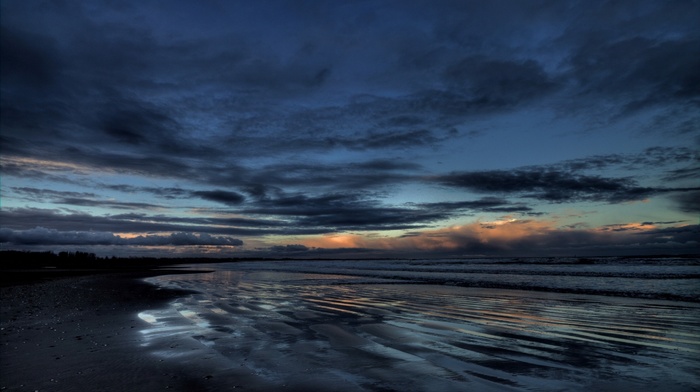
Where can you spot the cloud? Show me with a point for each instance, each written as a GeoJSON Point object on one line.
{"type": "Point", "coordinates": [44, 236]}
{"type": "Point", "coordinates": [312, 126]}
{"type": "Point", "coordinates": [290, 248]}
{"type": "Point", "coordinates": [498, 82]}
{"type": "Point", "coordinates": [28, 59]}
{"type": "Point", "coordinates": [123, 92]}
{"type": "Point", "coordinates": [486, 204]}
{"type": "Point", "coordinates": [549, 185]}
{"type": "Point", "coordinates": [279, 215]}
{"type": "Point", "coordinates": [688, 202]}
{"type": "Point", "coordinates": [337, 212]}
{"type": "Point", "coordinates": [386, 165]}
{"type": "Point", "coordinates": [637, 70]}
{"type": "Point", "coordinates": [345, 176]}
{"type": "Point", "coordinates": [184, 239]}
{"type": "Point", "coordinates": [221, 196]}
{"type": "Point", "coordinates": [140, 125]}
{"type": "Point", "coordinates": [128, 96]}
{"type": "Point", "coordinates": [523, 237]}
{"type": "Point", "coordinates": [81, 199]}
{"type": "Point", "coordinates": [553, 185]}
{"type": "Point", "coordinates": [686, 173]}
{"type": "Point", "coordinates": [28, 218]}
{"type": "Point", "coordinates": [652, 157]}
{"type": "Point", "coordinates": [396, 139]}
{"type": "Point", "coordinates": [352, 175]}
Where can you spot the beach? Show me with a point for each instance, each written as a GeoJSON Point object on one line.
{"type": "Point", "coordinates": [339, 326]}
{"type": "Point", "coordinates": [81, 333]}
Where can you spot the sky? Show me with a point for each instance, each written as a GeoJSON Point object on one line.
{"type": "Point", "coordinates": [350, 128]}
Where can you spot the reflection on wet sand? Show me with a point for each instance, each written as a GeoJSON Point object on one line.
{"type": "Point", "coordinates": [315, 332]}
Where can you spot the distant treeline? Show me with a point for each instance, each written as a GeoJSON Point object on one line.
{"type": "Point", "coordinates": [12, 259]}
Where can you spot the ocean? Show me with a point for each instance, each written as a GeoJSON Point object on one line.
{"type": "Point", "coordinates": [531, 324]}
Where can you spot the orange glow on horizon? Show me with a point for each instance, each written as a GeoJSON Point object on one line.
{"type": "Point", "coordinates": [504, 230]}
{"type": "Point", "coordinates": [335, 241]}
{"type": "Point", "coordinates": [503, 233]}
{"type": "Point", "coordinates": [135, 235]}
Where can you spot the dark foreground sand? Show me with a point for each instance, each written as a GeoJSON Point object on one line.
{"type": "Point", "coordinates": [81, 333]}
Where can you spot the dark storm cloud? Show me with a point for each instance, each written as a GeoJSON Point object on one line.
{"type": "Point", "coordinates": [356, 212]}
{"type": "Point", "coordinates": [498, 82]}
{"type": "Point", "coordinates": [86, 160]}
{"type": "Point", "coordinates": [352, 211]}
{"type": "Point", "coordinates": [138, 125]}
{"type": "Point", "coordinates": [290, 248]}
{"type": "Point", "coordinates": [486, 204]}
{"type": "Point", "coordinates": [279, 111]}
{"type": "Point", "coordinates": [686, 173]}
{"type": "Point", "coordinates": [91, 99]}
{"type": "Point", "coordinates": [637, 69]}
{"type": "Point", "coordinates": [254, 181]}
{"type": "Point", "coordinates": [553, 186]}
{"type": "Point", "coordinates": [219, 221]}
{"type": "Point", "coordinates": [221, 196]}
{"type": "Point", "coordinates": [184, 239]}
{"type": "Point", "coordinates": [337, 212]}
{"type": "Point", "coordinates": [28, 218]}
{"type": "Point", "coordinates": [687, 234]}
{"type": "Point", "coordinates": [643, 56]}
{"type": "Point", "coordinates": [386, 165]}
{"type": "Point", "coordinates": [688, 202]}
{"type": "Point", "coordinates": [27, 59]}
{"type": "Point", "coordinates": [573, 241]}
{"type": "Point", "coordinates": [620, 227]}
{"type": "Point", "coordinates": [44, 236]}
{"type": "Point", "coordinates": [164, 192]}
{"type": "Point", "coordinates": [281, 215]}
{"type": "Point", "coordinates": [679, 121]}
{"type": "Point", "coordinates": [351, 176]}
{"type": "Point", "coordinates": [354, 127]}
{"type": "Point", "coordinates": [81, 199]}
{"type": "Point", "coordinates": [358, 219]}
{"type": "Point", "coordinates": [109, 80]}
{"type": "Point", "coordinates": [116, 79]}
{"type": "Point", "coordinates": [410, 138]}
{"type": "Point", "coordinates": [661, 240]}
{"type": "Point", "coordinates": [37, 194]}
{"type": "Point", "coordinates": [568, 181]}
{"type": "Point", "coordinates": [649, 158]}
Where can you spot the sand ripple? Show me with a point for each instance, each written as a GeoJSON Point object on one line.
{"type": "Point", "coordinates": [425, 337]}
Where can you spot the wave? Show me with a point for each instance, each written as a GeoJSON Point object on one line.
{"type": "Point", "coordinates": [676, 279]}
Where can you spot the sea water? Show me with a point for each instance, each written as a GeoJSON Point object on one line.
{"type": "Point", "coordinates": [476, 324]}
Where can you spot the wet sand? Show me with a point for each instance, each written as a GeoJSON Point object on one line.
{"type": "Point", "coordinates": [82, 333]}
{"type": "Point", "coordinates": [272, 331]}
{"type": "Point", "coordinates": [313, 332]}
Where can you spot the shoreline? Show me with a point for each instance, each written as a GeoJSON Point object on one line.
{"type": "Point", "coordinates": [375, 336]}
{"type": "Point", "coordinates": [81, 332]}
{"type": "Point", "coordinates": [113, 329]}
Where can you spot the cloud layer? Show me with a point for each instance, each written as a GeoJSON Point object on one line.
{"type": "Point", "coordinates": [44, 236]}
{"type": "Point", "coordinates": [280, 124]}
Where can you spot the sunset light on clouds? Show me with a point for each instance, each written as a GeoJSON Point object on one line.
{"type": "Point", "coordinates": [350, 129]}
